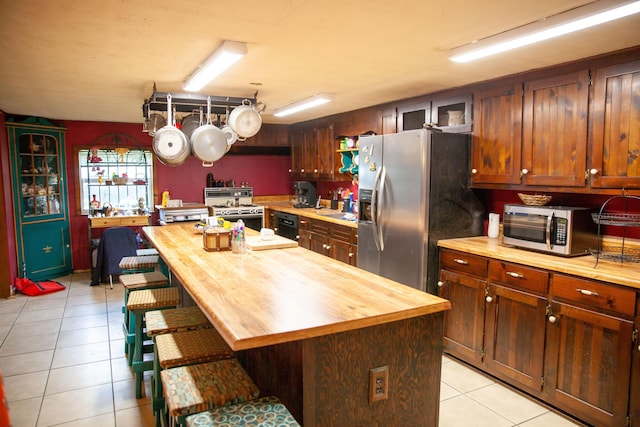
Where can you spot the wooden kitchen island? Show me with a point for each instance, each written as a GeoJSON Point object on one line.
{"type": "Point", "coordinates": [310, 329]}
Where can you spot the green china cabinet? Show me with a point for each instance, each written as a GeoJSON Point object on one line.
{"type": "Point", "coordinates": [40, 198]}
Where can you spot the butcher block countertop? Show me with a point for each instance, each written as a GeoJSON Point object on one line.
{"type": "Point", "coordinates": [627, 273]}
{"type": "Point", "coordinates": [275, 296]}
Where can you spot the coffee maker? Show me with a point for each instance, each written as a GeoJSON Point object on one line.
{"type": "Point", "coordinates": [304, 194]}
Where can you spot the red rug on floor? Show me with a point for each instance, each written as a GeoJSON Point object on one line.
{"type": "Point", "coordinates": [31, 288]}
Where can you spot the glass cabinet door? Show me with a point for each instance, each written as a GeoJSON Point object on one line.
{"type": "Point", "coordinates": [39, 175]}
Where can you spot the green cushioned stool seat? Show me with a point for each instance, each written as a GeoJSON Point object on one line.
{"type": "Point", "coordinates": [139, 303]}
{"type": "Point", "coordinates": [131, 282]}
{"type": "Point", "coordinates": [184, 348]}
{"type": "Point", "coordinates": [138, 264]}
{"type": "Point", "coordinates": [197, 388]}
{"type": "Point", "coordinates": [175, 320]}
{"type": "Point", "coordinates": [262, 412]}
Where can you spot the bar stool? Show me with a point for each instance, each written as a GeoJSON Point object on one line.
{"type": "Point", "coordinates": [138, 264]}
{"type": "Point", "coordinates": [139, 303]}
{"type": "Point", "coordinates": [197, 388]}
{"type": "Point", "coordinates": [132, 282]}
{"type": "Point", "coordinates": [181, 349]}
{"type": "Point", "coordinates": [263, 411]}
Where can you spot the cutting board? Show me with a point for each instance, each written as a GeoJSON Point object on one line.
{"type": "Point", "coordinates": [278, 242]}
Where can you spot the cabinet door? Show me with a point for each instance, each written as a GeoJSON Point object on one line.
{"type": "Point", "coordinates": [515, 333]}
{"type": "Point", "coordinates": [414, 116]}
{"type": "Point", "coordinates": [588, 364]}
{"type": "Point", "coordinates": [615, 139]}
{"type": "Point", "coordinates": [40, 200]}
{"type": "Point", "coordinates": [497, 135]}
{"type": "Point", "coordinates": [325, 147]}
{"type": "Point", "coordinates": [342, 251]}
{"type": "Point", "coordinates": [464, 323]}
{"type": "Point", "coordinates": [554, 142]}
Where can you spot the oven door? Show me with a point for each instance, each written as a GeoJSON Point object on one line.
{"type": "Point", "coordinates": [253, 221]}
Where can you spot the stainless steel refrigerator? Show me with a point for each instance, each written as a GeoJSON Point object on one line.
{"type": "Point", "coordinates": [413, 191]}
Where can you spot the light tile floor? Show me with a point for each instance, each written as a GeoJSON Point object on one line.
{"type": "Point", "coordinates": [61, 356]}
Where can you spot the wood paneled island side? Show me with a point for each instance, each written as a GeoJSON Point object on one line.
{"type": "Point", "coordinates": [309, 329]}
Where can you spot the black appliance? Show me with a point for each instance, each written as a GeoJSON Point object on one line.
{"type": "Point", "coordinates": [304, 194]}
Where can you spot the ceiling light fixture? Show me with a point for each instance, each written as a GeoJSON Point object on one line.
{"type": "Point", "coordinates": [315, 100]}
{"type": "Point", "coordinates": [224, 56]}
{"type": "Point", "coordinates": [567, 22]}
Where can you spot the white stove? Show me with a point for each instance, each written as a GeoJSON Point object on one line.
{"type": "Point", "coordinates": [234, 203]}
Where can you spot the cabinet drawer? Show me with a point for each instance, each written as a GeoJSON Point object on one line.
{"type": "Point", "coordinates": [303, 223]}
{"type": "Point", "coordinates": [134, 220]}
{"type": "Point", "coordinates": [104, 222]}
{"type": "Point", "coordinates": [519, 276]}
{"type": "Point", "coordinates": [320, 227]}
{"type": "Point", "coordinates": [460, 261]}
{"type": "Point", "coordinates": [594, 294]}
{"type": "Point", "coordinates": [344, 234]}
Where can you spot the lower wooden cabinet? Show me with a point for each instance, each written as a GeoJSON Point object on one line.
{"type": "Point", "coordinates": [333, 240]}
{"type": "Point", "coordinates": [569, 341]}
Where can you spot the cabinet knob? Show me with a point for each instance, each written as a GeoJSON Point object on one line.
{"type": "Point", "coordinates": [594, 171]}
{"type": "Point", "coordinates": [328, 247]}
{"type": "Point", "coordinates": [474, 171]}
{"type": "Point", "coordinates": [440, 283]}
{"type": "Point", "coordinates": [302, 170]}
{"type": "Point", "coordinates": [290, 170]}
{"type": "Point", "coordinates": [524, 171]}
{"type": "Point", "coordinates": [515, 275]}
{"type": "Point", "coordinates": [553, 319]}
{"type": "Point", "coordinates": [350, 254]}
{"type": "Point", "coordinates": [488, 298]}
{"type": "Point", "coordinates": [315, 171]}
{"type": "Point", "coordinates": [460, 261]}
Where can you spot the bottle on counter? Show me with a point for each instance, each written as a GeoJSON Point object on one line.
{"type": "Point", "coordinates": [166, 196]}
{"type": "Point", "coordinates": [238, 243]}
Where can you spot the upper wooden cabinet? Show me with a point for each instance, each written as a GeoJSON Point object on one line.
{"type": "Point", "coordinates": [270, 135]}
{"type": "Point", "coordinates": [313, 151]}
{"type": "Point", "coordinates": [615, 135]}
{"type": "Point", "coordinates": [497, 135]}
{"type": "Point", "coordinates": [554, 130]}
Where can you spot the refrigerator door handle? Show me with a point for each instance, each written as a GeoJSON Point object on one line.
{"type": "Point", "coordinates": [375, 217]}
{"type": "Point", "coordinates": [380, 207]}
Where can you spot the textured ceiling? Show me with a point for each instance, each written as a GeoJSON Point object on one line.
{"type": "Point", "coordinates": [98, 60]}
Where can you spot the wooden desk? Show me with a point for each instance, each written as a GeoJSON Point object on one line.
{"type": "Point", "coordinates": [96, 222]}
{"type": "Point", "coordinates": [309, 329]}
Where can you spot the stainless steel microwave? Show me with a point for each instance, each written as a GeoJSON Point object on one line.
{"type": "Point", "coordinates": [558, 230]}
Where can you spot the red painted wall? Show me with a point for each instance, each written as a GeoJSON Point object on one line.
{"type": "Point", "coordinates": [267, 174]}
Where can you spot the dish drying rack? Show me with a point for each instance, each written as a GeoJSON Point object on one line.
{"type": "Point", "coordinates": [616, 219]}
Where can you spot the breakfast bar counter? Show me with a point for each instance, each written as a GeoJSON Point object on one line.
{"type": "Point", "coordinates": [310, 329]}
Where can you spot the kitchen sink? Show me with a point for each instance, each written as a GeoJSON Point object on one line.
{"type": "Point", "coordinates": [338, 215]}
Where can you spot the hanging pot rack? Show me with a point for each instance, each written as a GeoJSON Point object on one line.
{"type": "Point", "coordinates": [188, 102]}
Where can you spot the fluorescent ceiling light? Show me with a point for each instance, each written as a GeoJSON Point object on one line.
{"type": "Point", "coordinates": [224, 56]}
{"type": "Point", "coordinates": [303, 104]}
{"type": "Point", "coordinates": [573, 20]}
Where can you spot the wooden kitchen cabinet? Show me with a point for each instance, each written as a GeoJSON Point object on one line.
{"type": "Point", "coordinates": [615, 116]}
{"type": "Point", "coordinates": [589, 349]}
{"type": "Point", "coordinates": [569, 341]}
{"type": "Point", "coordinates": [497, 135]}
{"type": "Point", "coordinates": [333, 240]}
{"type": "Point", "coordinates": [313, 151]}
{"type": "Point", "coordinates": [413, 115]}
{"type": "Point", "coordinates": [554, 126]}
{"type": "Point", "coordinates": [515, 318]}
{"type": "Point", "coordinates": [270, 135]}
{"type": "Point", "coordinates": [41, 207]}
{"type": "Point", "coordinates": [463, 281]}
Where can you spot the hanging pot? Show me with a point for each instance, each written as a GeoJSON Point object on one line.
{"type": "Point", "coordinates": [169, 143]}
{"type": "Point", "coordinates": [154, 123]}
{"type": "Point", "coordinates": [245, 120]}
{"type": "Point", "coordinates": [208, 142]}
{"type": "Point", "coordinates": [191, 122]}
